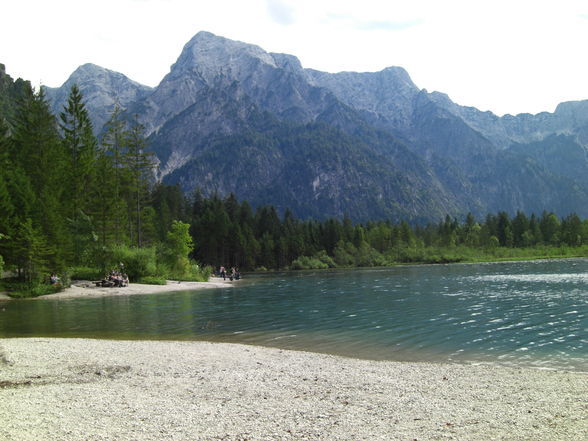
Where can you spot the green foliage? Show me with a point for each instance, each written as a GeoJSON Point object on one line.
{"type": "Point", "coordinates": [230, 234]}
{"type": "Point", "coordinates": [19, 289]}
{"type": "Point", "coordinates": [152, 280]}
{"type": "Point", "coordinates": [86, 273]}
{"type": "Point", "coordinates": [195, 273]}
{"type": "Point", "coordinates": [306, 262]}
{"type": "Point", "coordinates": [139, 165]}
{"type": "Point", "coordinates": [26, 291]}
{"type": "Point", "coordinates": [319, 261]}
{"type": "Point", "coordinates": [176, 249]}
{"type": "Point", "coordinates": [137, 262]}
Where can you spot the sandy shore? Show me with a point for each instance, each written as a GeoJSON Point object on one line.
{"type": "Point", "coordinates": [74, 389]}
{"type": "Point", "coordinates": [88, 289]}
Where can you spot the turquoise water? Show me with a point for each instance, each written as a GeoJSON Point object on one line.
{"type": "Point", "coordinates": [524, 313]}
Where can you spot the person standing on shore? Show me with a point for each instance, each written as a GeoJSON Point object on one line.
{"type": "Point", "coordinates": [223, 272]}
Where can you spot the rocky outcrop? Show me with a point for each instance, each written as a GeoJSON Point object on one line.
{"type": "Point", "coordinates": [102, 89]}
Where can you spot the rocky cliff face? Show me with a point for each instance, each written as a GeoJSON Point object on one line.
{"type": "Point", "coordinates": [102, 88]}
{"type": "Point", "coordinates": [231, 117]}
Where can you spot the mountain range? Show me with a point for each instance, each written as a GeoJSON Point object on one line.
{"type": "Point", "coordinates": [231, 117]}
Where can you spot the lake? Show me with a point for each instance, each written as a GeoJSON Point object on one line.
{"type": "Point", "coordinates": [530, 314]}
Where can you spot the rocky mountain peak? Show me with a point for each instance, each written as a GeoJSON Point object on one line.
{"type": "Point", "coordinates": [209, 56]}
{"type": "Point", "coordinates": [94, 74]}
{"type": "Point", "coordinates": [399, 75]}
{"type": "Point", "coordinates": [575, 110]}
{"type": "Point", "coordinates": [102, 88]}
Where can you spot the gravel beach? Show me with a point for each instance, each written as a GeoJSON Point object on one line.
{"type": "Point", "coordinates": [82, 288]}
{"type": "Point", "coordinates": [79, 389]}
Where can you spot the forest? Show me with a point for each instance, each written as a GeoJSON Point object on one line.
{"type": "Point", "coordinates": [78, 205]}
{"type": "Point", "coordinates": [231, 233]}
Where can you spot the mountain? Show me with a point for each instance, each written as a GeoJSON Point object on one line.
{"type": "Point", "coordinates": [231, 117]}
{"type": "Point", "coordinates": [102, 89]}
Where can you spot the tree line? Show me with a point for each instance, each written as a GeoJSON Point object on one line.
{"type": "Point", "coordinates": [231, 233]}
{"type": "Point", "coordinates": [70, 200]}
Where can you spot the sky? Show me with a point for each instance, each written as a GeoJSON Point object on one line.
{"type": "Point", "coordinates": [509, 56]}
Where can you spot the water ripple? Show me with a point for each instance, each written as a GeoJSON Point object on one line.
{"type": "Point", "coordinates": [532, 314]}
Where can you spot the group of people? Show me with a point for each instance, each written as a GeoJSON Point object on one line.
{"type": "Point", "coordinates": [116, 279]}
{"type": "Point", "coordinates": [234, 274]}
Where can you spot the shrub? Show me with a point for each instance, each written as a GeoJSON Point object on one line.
{"type": "Point", "coordinates": [306, 262]}
{"type": "Point", "coordinates": [23, 290]}
{"type": "Point", "coordinates": [152, 280]}
{"type": "Point", "coordinates": [138, 262]}
{"type": "Point", "coordinates": [192, 273]}
{"type": "Point", "coordinates": [85, 273]}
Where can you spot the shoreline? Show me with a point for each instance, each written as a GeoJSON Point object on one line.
{"type": "Point", "coordinates": [87, 289]}
{"type": "Point", "coordinates": [154, 390]}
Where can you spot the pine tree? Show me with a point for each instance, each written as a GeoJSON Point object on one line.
{"type": "Point", "coordinates": [111, 179]}
{"type": "Point", "coordinates": [6, 206]}
{"type": "Point", "coordinates": [30, 253]}
{"type": "Point", "coordinates": [38, 160]}
{"type": "Point", "coordinates": [82, 155]}
{"type": "Point", "coordinates": [140, 165]}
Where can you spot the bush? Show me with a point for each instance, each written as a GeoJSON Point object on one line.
{"type": "Point", "coordinates": [85, 273]}
{"type": "Point", "coordinates": [306, 262]}
{"type": "Point", "coordinates": [23, 290]}
{"type": "Point", "coordinates": [152, 280]}
{"type": "Point", "coordinates": [138, 262]}
{"type": "Point", "coordinates": [192, 273]}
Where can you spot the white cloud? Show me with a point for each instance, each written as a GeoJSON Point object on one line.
{"type": "Point", "coordinates": [281, 12]}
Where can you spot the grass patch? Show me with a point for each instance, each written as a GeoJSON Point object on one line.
{"type": "Point", "coordinates": [152, 280]}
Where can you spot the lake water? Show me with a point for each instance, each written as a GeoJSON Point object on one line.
{"type": "Point", "coordinates": [524, 313]}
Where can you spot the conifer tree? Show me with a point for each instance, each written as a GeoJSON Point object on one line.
{"type": "Point", "coordinates": [6, 207]}
{"type": "Point", "coordinates": [30, 253]}
{"type": "Point", "coordinates": [82, 156]}
{"type": "Point", "coordinates": [140, 166]}
{"type": "Point", "coordinates": [111, 179]}
{"type": "Point", "coordinates": [38, 156]}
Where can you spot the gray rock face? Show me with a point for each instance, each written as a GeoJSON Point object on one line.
{"type": "Point", "coordinates": [569, 118]}
{"type": "Point", "coordinates": [228, 107]}
{"type": "Point", "coordinates": [102, 88]}
{"type": "Point", "coordinates": [387, 96]}
{"type": "Point", "coordinates": [274, 82]}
